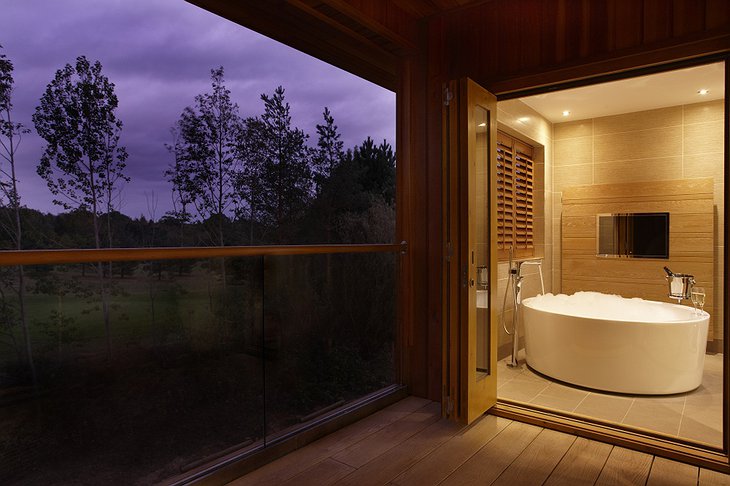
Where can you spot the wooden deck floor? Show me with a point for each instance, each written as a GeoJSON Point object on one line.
{"type": "Point", "coordinates": [408, 444]}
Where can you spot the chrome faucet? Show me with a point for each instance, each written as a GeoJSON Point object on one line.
{"type": "Point", "coordinates": [516, 278]}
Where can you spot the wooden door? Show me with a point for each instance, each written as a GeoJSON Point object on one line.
{"type": "Point", "coordinates": [470, 260]}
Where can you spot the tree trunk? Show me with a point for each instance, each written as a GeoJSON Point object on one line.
{"type": "Point", "coordinates": [15, 200]}
{"type": "Point", "coordinates": [100, 275]}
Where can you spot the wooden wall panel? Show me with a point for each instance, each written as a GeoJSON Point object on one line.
{"type": "Point", "coordinates": [691, 248]}
{"type": "Point", "coordinates": [518, 44]}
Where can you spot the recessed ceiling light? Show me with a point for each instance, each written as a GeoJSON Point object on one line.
{"type": "Point", "coordinates": [483, 124]}
{"type": "Point", "coordinates": [523, 119]}
{"type": "Point", "coordinates": [703, 91]}
{"type": "Point", "coordinates": [566, 113]}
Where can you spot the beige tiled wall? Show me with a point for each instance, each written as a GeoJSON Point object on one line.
{"type": "Point", "coordinates": [520, 120]}
{"type": "Point", "coordinates": [680, 142]}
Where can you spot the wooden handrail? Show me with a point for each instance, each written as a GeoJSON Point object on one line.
{"type": "Point", "coordinates": [52, 257]}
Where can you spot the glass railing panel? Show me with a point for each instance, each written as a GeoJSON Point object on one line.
{"type": "Point", "coordinates": [173, 380]}
{"type": "Point", "coordinates": [330, 324]}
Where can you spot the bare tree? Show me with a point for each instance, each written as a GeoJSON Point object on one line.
{"type": "Point", "coordinates": [11, 133]}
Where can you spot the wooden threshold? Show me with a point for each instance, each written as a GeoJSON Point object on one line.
{"type": "Point", "coordinates": [682, 451]}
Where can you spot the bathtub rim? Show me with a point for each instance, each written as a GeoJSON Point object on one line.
{"type": "Point", "coordinates": [699, 318]}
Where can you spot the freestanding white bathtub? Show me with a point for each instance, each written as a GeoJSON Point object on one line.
{"type": "Point", "coordinates": [607, 342]}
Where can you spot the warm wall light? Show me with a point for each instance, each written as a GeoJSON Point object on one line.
{"type": "Point", "coordinates": [566, 113]}
{"type": "Point", "coordinates": [703, 91]}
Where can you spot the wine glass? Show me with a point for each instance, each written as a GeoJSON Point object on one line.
{"type": "Point", "coordinates": [698, 298]}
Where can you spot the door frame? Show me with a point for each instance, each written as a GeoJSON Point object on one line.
{"type": "Point", "coordinates": [677, 449]}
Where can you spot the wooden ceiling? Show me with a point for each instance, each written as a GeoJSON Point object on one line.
{"type": "Point", "coordinates": [365, 37]}
{"type": "Point", "coordinates": [427, 8]}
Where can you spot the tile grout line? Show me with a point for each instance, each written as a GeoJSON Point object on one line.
{"type": "Point", "coordinates": [581, 402]}
{"type": "Point", "coordinates": [681, 417]}
{"type": "Point", "coordinates": [633, 401]}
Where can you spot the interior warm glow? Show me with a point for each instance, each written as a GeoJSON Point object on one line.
{"type": "Point", "coordinates": [523, 119]}
{"type": "Point", "coordinates": [483, 124]}
{"type": "Point", "coordinates": [566, 113]}
{"type": "Point", "coordinates": [703, 91]}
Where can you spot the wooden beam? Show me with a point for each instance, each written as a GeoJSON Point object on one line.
{"type": "Point", "coordinates": [284, 22]}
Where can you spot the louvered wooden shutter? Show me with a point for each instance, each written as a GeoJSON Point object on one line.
{"type": "Point", "coordinates": [515, 171]}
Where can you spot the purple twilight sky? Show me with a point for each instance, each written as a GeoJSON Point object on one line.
{"type": "Point", "coordinates": [159, 54]}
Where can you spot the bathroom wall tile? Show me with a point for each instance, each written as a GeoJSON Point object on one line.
{"type": "Point", "coordinates": [557, 198]}
{"type": "Point", "coordinates": [573, 175]}
{"type": "Point", "coordinates": [499, 298]}
{"type": "Point", "coordinates": [719, 194]}
{"type": "Point", "coordinates": [719, 291]}
{"type": "Point", "coordinates": [703, 138]}
{"type": "Point", "coordinates": [557, 286]}
{"type": "Point", "coordinates": [531, 285]}
{"type": "Point", "coordinates": [704, 165]}
{"type": "Point", "coordinates": [642, 144]}
{"type": "Point", "coordinates": [640, 120]}
{"type": "Point", "coordinates": [502, 271]}
{"type": "Point", "coordinates": [604, 407]}
{"type": "Point", "coordinates": [578, 128]}
{"type": "Point", "coordinates": [663, 168]}
{"type": "Point", "coordinates": [704, 112]}
{"type": "Point", "coordinates": [572, 151]}
{"type": "Point", "coordinates": [548, 268]}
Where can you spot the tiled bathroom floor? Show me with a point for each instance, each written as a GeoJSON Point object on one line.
{"type": "Point", "coordinates": [696, 415]}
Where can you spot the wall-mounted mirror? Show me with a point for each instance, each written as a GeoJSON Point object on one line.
{"type": "Point", "coordinates": [633, 235]}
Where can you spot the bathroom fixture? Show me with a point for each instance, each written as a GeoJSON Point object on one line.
{"type": "Point", "coordinates": [612, 343]}
{"type": "Point", "coordinates": [680, 285]}
{"type": "Point", "coordinates": [515, 283]}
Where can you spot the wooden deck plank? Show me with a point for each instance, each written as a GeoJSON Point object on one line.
{"type": "Point", "coordinates": [625, 467]}
{"type": "Point", "coordinates": [713, 478]}
{"type": "Point", "coordinates": [371, 447]}
{"type": "Point", "coordinates": [672, 473]}
{"type": "Point", "coordinates": [386, 467]}
{"type": "Point", "coordinates": [409, 442]}
{"type": "Point", "coordinates": [491, 460]}
{"type": "Point", "coordinates": [437, 465]}
{"type": "Point", "coordinates": [581, 465]}
{"type": "Point", "coordinates": [538, 460]}
{"type": "Point", "coordinates": [299, 460]}
{"type": "Point", "coordinates": [323, 473]}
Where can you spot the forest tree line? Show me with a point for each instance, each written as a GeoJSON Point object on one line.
{"type": "Point", "coordinates": [234, 180]}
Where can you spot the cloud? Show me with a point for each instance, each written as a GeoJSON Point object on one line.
{"type": "Point", "coordinates": [159, 53]}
